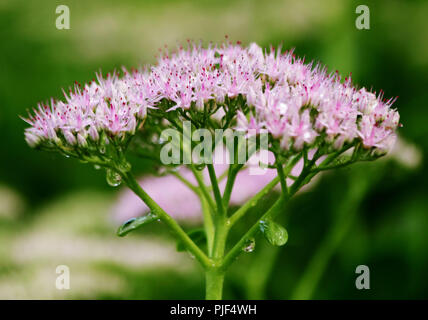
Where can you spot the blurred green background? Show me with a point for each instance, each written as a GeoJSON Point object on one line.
{"type": "Point", "coordinates": [56, 211]}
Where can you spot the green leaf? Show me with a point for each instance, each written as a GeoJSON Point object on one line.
{"type": "Point", "coordinates": [274, 233]}
{"type": "Point", "coordinates": [197, 235]}
{"type": "Point", "coordinates": [135, 223]}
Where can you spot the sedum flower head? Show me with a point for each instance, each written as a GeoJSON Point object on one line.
{"type": "Point", "coordinates": [245, 88]}
{"type": "Point", "coordinates": [111, 106]}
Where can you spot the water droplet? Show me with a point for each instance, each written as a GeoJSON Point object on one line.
{"type": "Point", "coordinates": [200, 166]}
{"type": "Point", "coordinates": [128, 222]}
{"type": "Point", "coordinates": [135, 223]}
{"type": "Point", "coordinates": [274, 233]}
{"type": "Point", "coordinates": [102, 149]}
{"type": "Point", "coordinates": [249, 246]}
{"type": "Point", "coordinates": [97, 167]}
{"type": "Point", "coordinates": [125, 166]}
{"type": "Point", "coordinates": [113, 178]}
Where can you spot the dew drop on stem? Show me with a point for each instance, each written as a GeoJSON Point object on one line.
{"type": "Point", "coordinates": [200, 167]}
{"type": "Point", "coordinates": [113, 178]}
{"type": "Point", "coordinates": [124, 166]}
{"type": "Point", "coordinates": [249, 246]}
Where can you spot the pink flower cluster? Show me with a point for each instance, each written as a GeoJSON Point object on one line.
{"type": "Point", "coordinates": [301, 102]}
{"type": "Point", "coordinates": [112, 105]}
{"type": "Point", "coordinates": [297, 103]}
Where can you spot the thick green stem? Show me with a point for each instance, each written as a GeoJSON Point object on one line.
{"type": "Point", "coordinates": [220, 238]}
{"type": "Point", "coordinates": [214, 276]}
{"type": "Point", "coordinates": [214, 279]}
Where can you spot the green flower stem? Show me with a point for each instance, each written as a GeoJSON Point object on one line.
{"type": "Point", "coordinates": [208, 224]}
{"type": "Point", "coordinates": [220, 238]}
{"type": "Point", "coordinates": [129, 179]}
{"type": "Point", "coordinates": [232, 173]}
{"type": "Point", "coordinates": [282, 178]}
{"type": "Point", "coordinates": [214, 275]}
{"type": "Point", "coordinates": [216, 189]}
{"type": "Point", "coordinates": [234, 168]}
{"type": "Point", "coordinates": [214, 279]}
